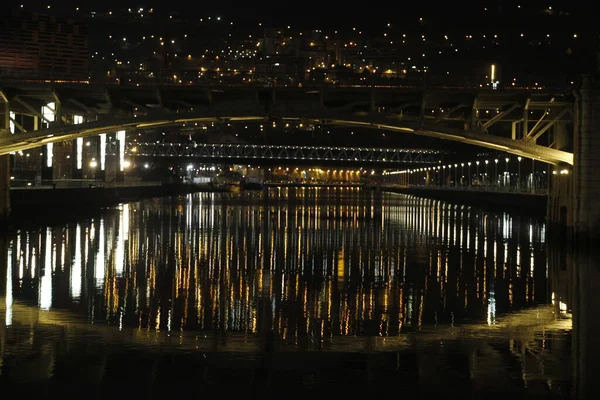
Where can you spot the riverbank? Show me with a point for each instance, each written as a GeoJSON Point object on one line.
{"type": "Point", "coordinates": [33, 204]}
{"type": "Point", "coordinates": [514, 202]}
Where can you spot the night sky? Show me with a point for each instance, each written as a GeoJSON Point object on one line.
{"type": "Point", "coordinates": [320, 14]}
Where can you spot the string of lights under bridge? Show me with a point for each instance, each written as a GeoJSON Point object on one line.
{"type": "Point", "coordinates": [284, 152]}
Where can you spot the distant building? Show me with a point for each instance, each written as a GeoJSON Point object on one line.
{"type": "Point", "coordinates": [42, 47]}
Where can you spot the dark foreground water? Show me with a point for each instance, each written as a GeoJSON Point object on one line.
{"type": "Point", "coordinates": [325, 291]}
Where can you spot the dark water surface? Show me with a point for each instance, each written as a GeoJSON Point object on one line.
{"type": "Point", "coordinates": [326, 291]}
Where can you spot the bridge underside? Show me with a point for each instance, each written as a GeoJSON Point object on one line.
{"type": "Point", "coordinates": [514, 122]}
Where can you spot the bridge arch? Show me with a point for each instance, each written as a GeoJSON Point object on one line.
{"type": "Point", "coordinates": [28, 140]}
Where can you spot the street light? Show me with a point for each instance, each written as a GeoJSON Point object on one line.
{"type": "Point", "coordinates": [443, 175]}
{"type": "Point", "coordinates": [485, 178]}
{"type": "Point", "coordinates": [496, 172]}
{"type": "Point", "coordinates": [507, 176]}
{"type": "Point", "coordinates": [469, 164]}
{"type": "Point", "coordinates": [93, 165]}
{"type": "Point", "coordinates": [477, 170]}
{"type": "Point", "coordinates": [462, 172]}
{"type": "Point", "coordinates": [455, 174]}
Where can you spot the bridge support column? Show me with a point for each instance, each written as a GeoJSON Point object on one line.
{"type": "Point", "coordinates": [50, 112]}
{"type": "Point", "coordinates": [100, 169]}
{"type": "Point", "coordinates": [585, 280]}
{"type": "Point", "coordinates": [47, 164]}
{"type": "Point", "coordinates": [120, 173]}
{"type": "Point", "coordinates": [562, 181]}
{"type": "Point", "coordinates": [77, 152]}
{"type": "Point", "coordinates": [586, 150]}
{"type": "Point", "coordinates": [4, 160]}
{"type": "Point", "coordinates": [77, 159]}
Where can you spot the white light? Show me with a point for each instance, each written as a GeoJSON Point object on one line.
{"type": "Point", "coordinates": [121, 140]}
{"type": "Point", "coordinates": [126, 164]}
{"type": "Point", "coordinates": [102, 151]}
{"type": "Point", "coordinates": [9, 288]}
{"type": "Point", "coordinates": [49, 151]}
{"type": "Point", "coordinates": [45, 287]}
{"type": "Point", "coordinates": [146, 165]}
{"type": "Point", "coordinates": [76, 267]}
{"type": "Point", "coordinates": [123, 236]}
{"type": "Point", "coordinates": [79, 152]}
{"type": "Point", "coordinates": [100, 258]}
{"type": "Point", "coordinates": [48, 111]}
{"type": "Point", "coordinates": [12, 122]}
{"type": "Point", "coordinates": [190, 167]}
{"type": "Point", "coordinates": [93, 164]}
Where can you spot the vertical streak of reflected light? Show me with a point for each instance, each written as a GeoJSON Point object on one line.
{"type": "Point", "coordinates": [29, 260]}
{"type": "Point", "coordinates": [75, 284]}
{"type": "Point", "coordinates": [122, 237]}
{"type": "Point", "coordinates": [45, 291]}
{"type": "Point", "coordinates": [100, 267]}
{"type": "Point", "coordinates": [20, 258]}
{"type": "Point", "coordinates": [518, 259]}
{"type": "Point", "coordinates": [9, 283]}
{"type": "Point", "coordinates": [491, 310]}
{"type": "Point", "coordinates": [531, 262]}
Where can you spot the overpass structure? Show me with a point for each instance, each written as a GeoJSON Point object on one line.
{"type": "Point", "coordinates": [451, 114]}
{"type": "Point", "coordinates": [551, 127]}
{"type": "Point", "coordinates": [250, 152]}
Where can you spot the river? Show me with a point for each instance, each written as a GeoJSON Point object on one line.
{"type": "Point", "coordinates": [326, 290]}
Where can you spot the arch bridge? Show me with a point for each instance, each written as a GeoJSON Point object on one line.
{"type": "Point", "coordinates": [509, 121]}
{"type": "Point", "coordinates": [531, 123]}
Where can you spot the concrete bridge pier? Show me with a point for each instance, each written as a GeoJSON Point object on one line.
{"type": "Point", "coordinates": [586, 149]}
{"type": "Point", "coordinates": [573, 211]}
{"type": "Point", "coordinates": [585, 280]}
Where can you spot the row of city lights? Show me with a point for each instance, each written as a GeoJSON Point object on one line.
{"type": "Point", "coordinates": [563, 171]}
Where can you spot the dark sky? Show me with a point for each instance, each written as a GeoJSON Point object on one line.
{"type": "Point", "coordinates": [323, 14]}
{"type": "Point", "coordinates": [310, 8]}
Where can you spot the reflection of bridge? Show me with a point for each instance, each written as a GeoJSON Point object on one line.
{"type": "Point", "coordinates": [531, 124]}
{"type": "Point", "coordinates": [248, 152]}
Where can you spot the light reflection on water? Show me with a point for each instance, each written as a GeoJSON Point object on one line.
{"type": "Point", "coordinates": [312, 269]}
